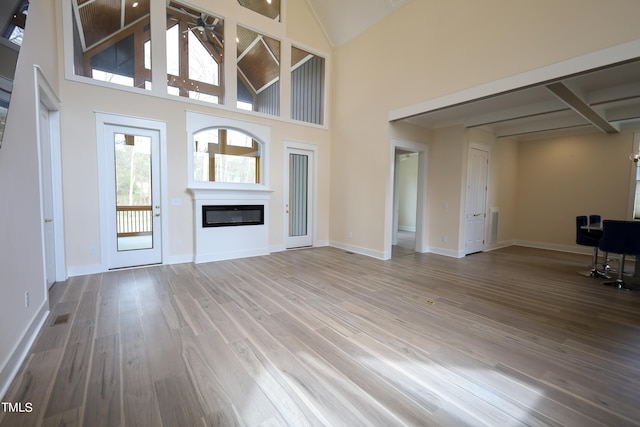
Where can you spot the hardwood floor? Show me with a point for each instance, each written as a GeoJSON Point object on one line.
{"type": "Point", "coordinates": [324, 337]}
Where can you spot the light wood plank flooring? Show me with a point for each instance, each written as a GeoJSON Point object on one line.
{"type": "Point", "coordinates": [322, 337]}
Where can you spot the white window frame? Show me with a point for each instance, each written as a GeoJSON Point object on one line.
{"type": "Point", "coordinates": [261, 133]}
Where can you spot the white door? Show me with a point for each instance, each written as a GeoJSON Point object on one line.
{"type": "Point", "coordinates": [476, 205]}
{"type": "Point", "coordinates": [132, 167]}
{"type": "Point", "coordinates": [47, 196]}
{"type": "Point", "coordinates": [298, 207]}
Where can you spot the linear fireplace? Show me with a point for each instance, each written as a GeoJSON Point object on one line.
{"type": "Point", "coordinates": [232, 215]}
{"type": "Point", "coordinates": [230, 223]}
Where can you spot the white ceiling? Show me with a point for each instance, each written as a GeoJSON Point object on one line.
{"type": "Point", "coordinates": [343, 20]}
{"type": "Point", "coordinates": [605, 100]}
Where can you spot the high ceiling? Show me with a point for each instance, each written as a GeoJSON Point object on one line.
{"type": "Point", "coordinates": [343, 20]}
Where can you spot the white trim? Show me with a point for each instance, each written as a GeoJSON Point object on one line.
{"type": "Point", "coordinates": [199, 121]}
{"type": "Point", "coordinates": [313, 190]}
{"type": "Point", "coordinates": [20, 352]}
{"type": "Point", "coordinates": [612, 55]}
{"type": "Point", "coordinates": [463, 212]}
{"type": "Point", "coordinates": [45, 94]}
{"type": "Point", "coordinates": [234, 14]}
{"type": "Point", "coordinates": [103, 119]}
{"type": "Point", "coordinates": [360, 250]}
{"type": "Point", "coordinates": [422, 235]}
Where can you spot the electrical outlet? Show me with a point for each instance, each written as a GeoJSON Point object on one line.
{"type": "Point", "coordinates": [26, 299]}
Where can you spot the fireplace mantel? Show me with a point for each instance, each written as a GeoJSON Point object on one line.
{"type": "Point", "coordinates": [220, 243]}
{"type": "Point", "coordinates": [227, 192]}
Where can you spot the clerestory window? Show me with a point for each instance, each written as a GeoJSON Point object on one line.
{"type": "Point", "coordinates": [112, 47]}
{"type": "Point", "coordinates": [258, 59]}
{"type": "Point", "coordinates": [268, 8]}
{"type": "Point", "coordinates": [195, 54]}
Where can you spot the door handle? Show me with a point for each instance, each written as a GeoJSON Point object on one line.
{"type": "Point", "coordinates": [47, 220]}
{"type": "Point", "coordinates": [157, 214]}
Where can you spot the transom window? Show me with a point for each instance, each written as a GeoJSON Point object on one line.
{"type": "Point", "coordinates": [226, 155]}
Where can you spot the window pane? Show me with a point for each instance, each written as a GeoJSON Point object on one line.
{"type": "Point", "coordinates": [239, 139]}
{"type": "Point", "coordinates": [307, 86]}
{"type": "Point", "coordinates": [112, 41]}
{"type": "Point", "coordinates": [235, 169]}
{"type": "Point", "coordinates": [268, 8]}
{"type": "Point", "coordinates": [258, 72]}
{"type": "Point", "coordinates": [195, 47]}
{"type": "Point", "coordinates": [226, 155]}
{"type": "Point", "coordinates": [202, 66]}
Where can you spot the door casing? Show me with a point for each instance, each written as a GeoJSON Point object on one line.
{"type": "Point", "coordinates": [476, 199]}
{"type": "Point", "coordinates": [104, 120]}
{"type": "Point", "coordinates": [310, 150]}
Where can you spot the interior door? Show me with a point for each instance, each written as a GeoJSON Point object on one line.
{"type": "Point", "coordinates": [298, 209]}
{"type": "Point", "coordinates": [133, 196]}
{"type": "Point", "coordinates": [47, 196]}
{"type": "Point", "coordinates": [476, 204]}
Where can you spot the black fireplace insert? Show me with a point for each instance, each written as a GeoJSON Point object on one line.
{"type": "Point", "coordinates": [232, 215]}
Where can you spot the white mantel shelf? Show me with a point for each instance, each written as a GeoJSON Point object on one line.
{"type": "Point", "coordinates": [230, 193]}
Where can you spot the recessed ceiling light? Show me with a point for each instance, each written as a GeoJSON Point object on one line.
{"type": "Point", "coordinates": [269, 1]}
{"type": "Point", "coordinates": [135, 4]}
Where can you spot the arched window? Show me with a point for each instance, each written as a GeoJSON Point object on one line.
{"type": "Point", "coordinates": [227, 156]}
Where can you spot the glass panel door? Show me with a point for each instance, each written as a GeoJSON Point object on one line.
{"type": "Point", "coordinates": [299, 207]}
{"type": "Point", "coordinates": [134, 223]}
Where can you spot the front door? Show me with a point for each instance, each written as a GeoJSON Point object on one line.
{"type": "Point", "coordinates": [133, 196]}
{"type": "Point", "coordinates": [476, 206]}
{"type": "Point", "coordinates": [298, 208]}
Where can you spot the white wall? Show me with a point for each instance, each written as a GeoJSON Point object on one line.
{"type": "Point", "coordinates": [426, 50]}
{"type": "Point", "coordinates": [80, 180]}
{"type": "Point", "coordinates": [21, 248]}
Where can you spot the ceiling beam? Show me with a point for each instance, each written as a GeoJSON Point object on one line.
{"type": "Point", "coordinates": [574, 101]}
{"type": "Point", "coordinates": [562, 121]}
{"type": "Point", "coordinates": [519, 112]}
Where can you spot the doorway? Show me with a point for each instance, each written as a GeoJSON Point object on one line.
{"type": "Point", "coordinates": [476, 201]}
{"type": "Point", "coordinates": [48, 137]}
{"type": "Point", "coordinates": [406, 231]}
{"type": "Point", "coordinates": [131, 197]}
{"type": "Point", "coordinates": [406, 197]}
{"type": "Point", "coordinates": [300, 190]}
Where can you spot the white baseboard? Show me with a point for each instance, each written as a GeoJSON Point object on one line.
{"type": "Point", "coordinates": [85, 270]}
{"type": "Point", "coordinates": [360, 250]}
{"type": "Point", "coordinates": [447, 252]}
{"type": "Point", "coordinates": [222, 256]}
{"type": "Point", "coordinates": [10, 369]}
{"type": "Point", "coordinates": [555, 247]}
{"type": "Point", "coordinates": [179, 259]}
